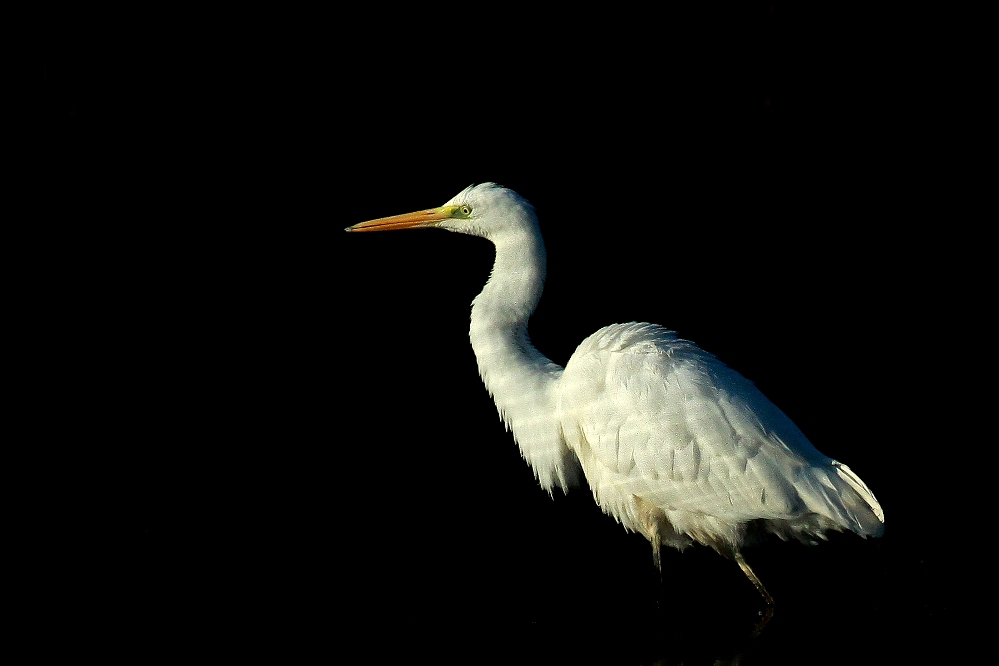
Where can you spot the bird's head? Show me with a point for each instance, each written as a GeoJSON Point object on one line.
{"type": "Point", "coordinates": [485, 210]}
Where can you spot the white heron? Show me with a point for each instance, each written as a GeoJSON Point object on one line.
{"type": "Point", "coordinates": [674, 444]}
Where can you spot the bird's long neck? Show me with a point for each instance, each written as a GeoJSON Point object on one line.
{"type": "Point", "coordinates": [523, 382]}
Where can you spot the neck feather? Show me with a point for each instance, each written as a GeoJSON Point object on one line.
{"type": "Point", "coordinates": [522, 381]}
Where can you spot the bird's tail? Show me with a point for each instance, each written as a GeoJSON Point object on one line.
{"type": "Point", "coordinates": [836, 499]}
{"type": "Point", "coordinates": [861, 507]}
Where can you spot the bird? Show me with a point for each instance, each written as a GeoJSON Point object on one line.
{"type": "Point", "coordinates": [673, 444]}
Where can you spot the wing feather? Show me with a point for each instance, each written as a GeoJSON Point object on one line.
{"type": "Point", "coordinates": [654, 418]}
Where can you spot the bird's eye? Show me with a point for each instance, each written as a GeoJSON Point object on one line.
{"type": "Point", "coordinates": [465, 210]}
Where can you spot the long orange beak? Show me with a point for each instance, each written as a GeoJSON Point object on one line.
{"type": "Point", "coordinates": [421, 218]}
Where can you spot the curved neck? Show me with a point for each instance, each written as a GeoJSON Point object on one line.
{"type": "Point", "coordinates": [522, 381]}
{"type": "Point", "coordinates": [500, 313]}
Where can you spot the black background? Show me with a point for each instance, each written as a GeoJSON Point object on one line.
{"type": "Point", "coordinates": [279, 439]}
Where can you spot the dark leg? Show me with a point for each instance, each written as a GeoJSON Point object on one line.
{"type": "Point", "coordinates": [759, 587]}
{"type": "Point", "coordinates": [656, 559]}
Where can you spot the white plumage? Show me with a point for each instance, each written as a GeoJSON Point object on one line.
{"type": "Point", "coordinates": [673, 443]}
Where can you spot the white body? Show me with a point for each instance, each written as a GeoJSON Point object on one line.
{"type": "Point", "coordinates": [673, 443]}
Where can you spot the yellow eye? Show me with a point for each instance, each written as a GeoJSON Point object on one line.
{"type": "Point", "coordinates": [465, 210]}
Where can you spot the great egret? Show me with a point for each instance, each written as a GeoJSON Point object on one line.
{"type": "Point", "coordinates": [674, 444]}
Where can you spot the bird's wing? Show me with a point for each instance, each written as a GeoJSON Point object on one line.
{"type": "Point", "coordinates": [654, 417]}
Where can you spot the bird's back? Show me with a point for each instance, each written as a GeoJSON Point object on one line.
{"type": "Point", "coordinates": [667, 433]}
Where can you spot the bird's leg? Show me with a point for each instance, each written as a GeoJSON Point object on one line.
{"type": "Point", "coordinates": [753, 579]}
{"type": "Point", "coordinates": [653, 518]}
{"type": "Point", "coordinates": [656, 559]}
{"type": "Point", "coordinates": [654, 521]}
{"type": "Point", "coordinates": [769, 613]}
